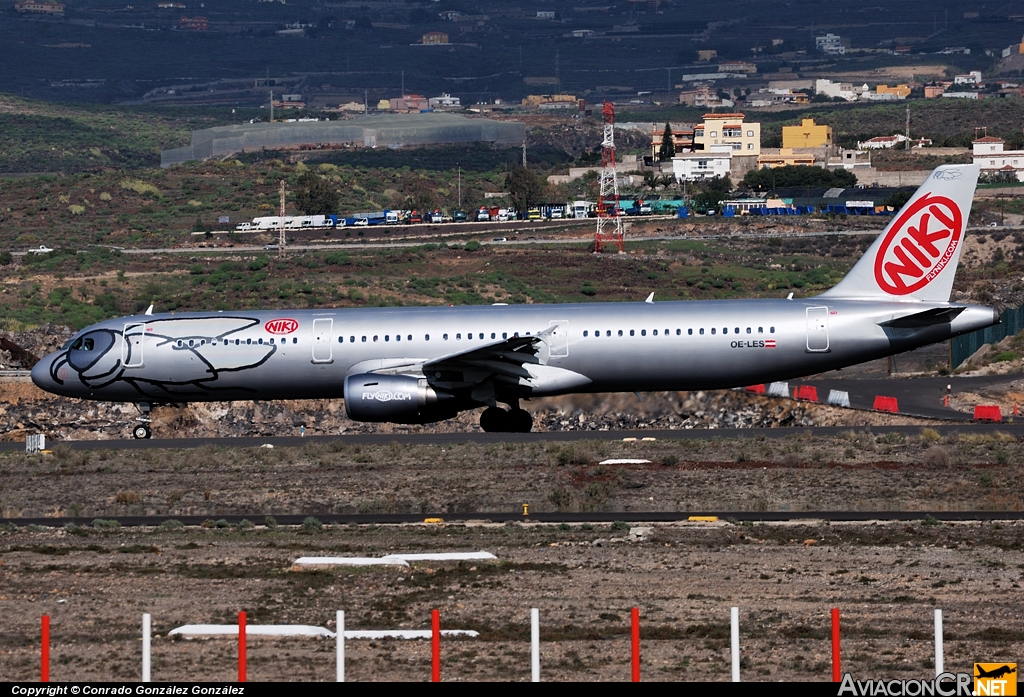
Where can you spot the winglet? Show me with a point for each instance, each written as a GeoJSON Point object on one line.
{"type": "Point", "coordinates": [650, 298]}
{"type": "Point", "coordinates": [149, 310]}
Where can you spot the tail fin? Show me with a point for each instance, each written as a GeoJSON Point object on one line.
{"type": "Point", "coordinates": [915, 258]}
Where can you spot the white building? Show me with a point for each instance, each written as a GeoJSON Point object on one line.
{"type": "Point", "coordinates": [444, 101]}
{"type": "Point", "coordinates": [830, 44]}
{"type": "Point", "coordinates": [971, 78]}
{"type": "Point", "coordinates": [881, 142]}
{"type": "Point", "coordinates": [694, 166]}
{"type": "Point", "coordinates": [989, 153]}
{"type": "Point", "coordinates": [836, 89]}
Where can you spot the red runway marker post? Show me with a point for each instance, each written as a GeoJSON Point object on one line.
{"type": "Point", "coordinates": [836, 672]}
{"type": "Point", "coordinates": [435, 646]}
{"type": "Point", "coordinates": [241, 646]}
{"type": "Point", "coordinates": [635, 617]}
{"type": "Point", "coordinates": [44, 664]}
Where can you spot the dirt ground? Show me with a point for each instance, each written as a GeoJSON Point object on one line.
{"type": "Point", "coordinates": [887, 578]}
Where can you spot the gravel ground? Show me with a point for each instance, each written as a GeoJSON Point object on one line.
{"type": "Point", "coordinates": [886, 577]}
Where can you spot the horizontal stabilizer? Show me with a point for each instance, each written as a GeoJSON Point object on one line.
{"type": "Point", "coordinates": [928, 318]}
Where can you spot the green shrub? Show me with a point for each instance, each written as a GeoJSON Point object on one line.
{"type": "Point", "coordinates": [472, 246]}
{"type": "Point", "coordinates": [104, 525]}
{"type": "Point", "coordinates": [311, 524]}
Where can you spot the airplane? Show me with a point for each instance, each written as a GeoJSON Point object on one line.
{"type": "Point", "coordinates": [426, 364]}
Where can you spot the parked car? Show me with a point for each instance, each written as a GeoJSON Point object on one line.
{"type": "Point", "coordinates": [270, 246]}
{"type": "Point", "coordinates": [244, 226]}
{"type": "Point", "coordinates": [533, 214]}
{"type": "Point", "coordinates": [459, 216]}
{"type": "Point", "coordinates": [361, 221]}
{"type": "Point", "coordinates": [499, 239]}
{"type": "Point", "coordinates": [414, 218]}
{"type": "Point", "coordinates": [41, 249]}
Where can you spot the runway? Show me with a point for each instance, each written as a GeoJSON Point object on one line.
{"type": "Point", "coordinates": [1013, 429]}
{"type": "Point", "coordinates": [634, 517]}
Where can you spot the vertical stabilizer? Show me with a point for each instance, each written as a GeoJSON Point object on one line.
{"type": "Point", "coordinates": [915, 258]}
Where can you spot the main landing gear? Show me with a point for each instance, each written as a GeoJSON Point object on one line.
{"type": "Point", "coordinates": [142, 430]}
{"type": "Point", "coordinates": [497, 420]}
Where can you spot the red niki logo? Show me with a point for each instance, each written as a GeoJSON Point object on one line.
{"type": "Point", "coordinates": [281, 326]}
{"type": "Point", "coordinates": [919, 245]}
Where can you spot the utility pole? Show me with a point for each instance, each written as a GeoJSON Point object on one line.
{"type": "Point", "coordinates": [271, 106]}
{"type": "Point", "coordinates": [524, 153]}
{"type": "Point", "coordinates": [460, 186]}
{"type": "Point", "coordinates": [280, 227]}
{"type": "Point", "coordinates": [908, 128]}
{"type": "Point", "coordinates": [403, 83]}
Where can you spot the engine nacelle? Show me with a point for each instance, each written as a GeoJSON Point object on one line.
{"type": "Point", "coordinates": [401, 399]}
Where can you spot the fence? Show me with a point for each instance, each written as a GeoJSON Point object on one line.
{"type": "Point", "coordinates": [435, 640]}
{"type": "Point", "coordinates": [963, 347]}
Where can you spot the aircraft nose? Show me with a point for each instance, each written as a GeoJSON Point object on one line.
{"type": "Point", "coordinates": [41, 374]}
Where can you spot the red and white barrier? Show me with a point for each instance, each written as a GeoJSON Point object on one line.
{"type": "Point", "coordinates": [988, 412]}
{"type": "Point", "coordinates": [888, 404]}
{"type": "Point", "coordinates": [806, 393]}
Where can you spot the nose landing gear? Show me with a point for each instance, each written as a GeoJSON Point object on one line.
{"type": "Point", "coordinates": [142, 430]}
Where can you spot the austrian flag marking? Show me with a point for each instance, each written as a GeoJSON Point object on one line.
{"type": "Point", "coordinates": [919, 245]}
{"type": "Point", "coordinates": [770, 343]}
{"type": "Point", "coordinates": [281, 326]}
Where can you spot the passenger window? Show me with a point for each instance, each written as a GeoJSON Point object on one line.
{"type": "Point", "coordinates": [237, 342]}
{"type": "Point", "coordinates": [643, 332]}
{"type": "Point", "coordinates": [620, 332]}
{"type": "Point", "coordinates": [190, 343]}
{"type": "Point", "coordinates": [748, 330]}
{"type": "Point", "coordinates": [608, 333]}
{"type": "Point", "coordinates": [584, 332]}
{"type": "Point", "coordinates": [247, 341]}
{"type": "Point", "coordinates": [688, 331]}
{"type": "Point", "coordinates": [504, 335]}
{"type": "Point", "coordinates": [458, 336]}
{"type": "Point", "coordinates": [364, 339]}
{"type": "Point", "coordinates": [426, 337]}
{"type": "Point", "coordinates": [655, 332]}
{"type": "Point", "coordinates": [702, 331]}
{"type": "Point", "coordinates": [351, 340]}
{"type": "Point", "coordinates": [409, 337]}
{"type": "Point", "coordinates": [712, 330]}
{"type": "Point", "coordinates": [295, 340]}
{"type": "Point", "coordinates": [632, 332]}
{"type": "Point", "coordinates": [771, 330]}
{"type": "Point", "coordinates": [725, 330]}
{"type": "Point", "coordinates": [387, 337]}
{"type": "Point", "coordinates": [398, 337]}
{"type": "Point", "coordinates": [760, 330]}
{"type": "Point", "coordinates": [445, 337]}
{"type": "Point", "coordinates": [374, 337]}
{"type": "Point", "coordinates": [492, 335]}
{"type": "Point", "coordinates": [737, 330]}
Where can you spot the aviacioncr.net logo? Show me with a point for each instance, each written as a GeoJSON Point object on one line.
{"type": "Point", "coordinates": [919, 245]}
{"type": "Point", "coordinates": [388, 396]}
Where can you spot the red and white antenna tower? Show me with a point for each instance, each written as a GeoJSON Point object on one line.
{"type": "Point", "coordinates": [608, 211]}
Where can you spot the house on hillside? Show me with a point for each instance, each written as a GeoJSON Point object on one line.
{"type": "Point", "coordinates": [995, 161]}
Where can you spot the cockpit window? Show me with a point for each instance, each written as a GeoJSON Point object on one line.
{"type": "Point", "coordinates": [77, 344]}
{"type": "Point", "coordinates": [83, 345]}
{"type": "Point", "coordinates": [87, 345]}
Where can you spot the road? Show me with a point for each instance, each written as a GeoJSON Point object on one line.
{"type": "Point", "coordinates": [1013, 429]}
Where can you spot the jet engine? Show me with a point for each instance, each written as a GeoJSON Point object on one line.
{"type": "Point", "coordinates": [402, 399]}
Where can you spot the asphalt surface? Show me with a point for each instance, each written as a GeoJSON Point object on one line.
{"type": "Point", "coordinates": [914, 396]}
{"type": "Point", "coordinates": [504, 517]}
{"type": "Point", "coordinates": [1014, 429]}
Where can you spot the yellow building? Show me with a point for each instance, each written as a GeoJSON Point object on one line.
{"type": "Point", "coordinates": [435, 37]}
{"type": "Point", "coordinates": [807, 135]}
{"type": "Point", "coordinates": [728, 131]}
{"type": "Point", "coordinates": [901, 91]}
{"type": "Point", "coordinates": [704, 55]}
{"type": "Point", "coordinates": [784, 158]}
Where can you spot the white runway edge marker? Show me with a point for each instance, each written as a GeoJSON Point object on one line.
{"type": "Point", "coordinates": [189, 631]}
{"type": "Point", "coordinates": [146, 635]}
{"type": "Point", "coordinates": [340, 636]}
{"type": "Point", "coordinates": [735, 644]}
{"type": "Point", "coordinates": [394, 559]}
{"type": "Point", "coordinates": [535, 645]}
{"type": "Point", "coordinates": [939, 662]}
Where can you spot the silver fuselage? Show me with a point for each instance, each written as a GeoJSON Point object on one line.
{"type": "Point", "coordinates": [615, 347]}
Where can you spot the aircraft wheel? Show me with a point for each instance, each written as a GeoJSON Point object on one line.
{"type": "Point", "coordinates": [494, 420]}
{"type": "Point", "coordinates": [141, 432]}
{"type": "Point", "coordinates": [521, 421]}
